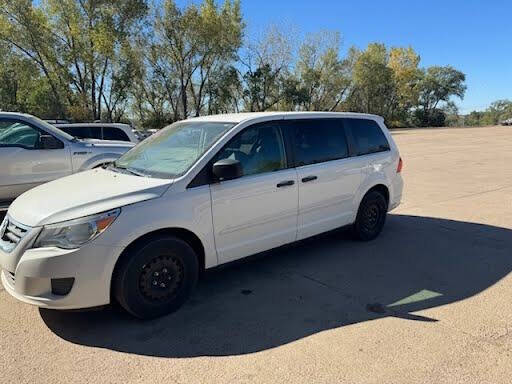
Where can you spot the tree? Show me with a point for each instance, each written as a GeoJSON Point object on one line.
{"type": "Point", "coordinates": [497, 112]}
{"type": "Point", "coordinates": [112, 60]}
{"type": "Point", "coordinates": [195, 43]}
{"type": "Point", "coordinates": [323, 76]}
{"type": "Point", "coordinates": [25, 28]}
{"type": "Point", "coordinates": [404, 62]}
{"type": "Point", "coordinates": [474, 118]}
{"type": "Point", "coordinates": [223, 90]}
{"type": "Point", "coordinates": [437, 85]}
{"type": "Point", "coordinates": [22, 88]}
{"type": "Point", "coordinates": [266, 62]}
{"type": "Point", "coordinates": [373, 86]}
{"type": "Point", "coordinates": [452, 116]}
{"type": "Point", "coordinates": [78, 45]}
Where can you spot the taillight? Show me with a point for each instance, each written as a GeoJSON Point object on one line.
{"type": "Point", "coordinates": [400, 164]}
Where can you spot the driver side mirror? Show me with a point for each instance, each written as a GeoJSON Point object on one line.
{"type": "Point", "coordinates": [49, 142]}
{"type": "Point", "coordinates": [227, 169]}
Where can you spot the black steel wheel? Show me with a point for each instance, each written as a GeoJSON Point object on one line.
{"type": "Point", "coordinates": [371, 216]}
{"type": "Point", "coordinates": [161, 278]}
{"type": "Point", "coordinates": [156, 277]}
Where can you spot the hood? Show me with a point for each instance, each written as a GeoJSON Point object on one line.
{"type": "Point", "coordinates": [83, 194]}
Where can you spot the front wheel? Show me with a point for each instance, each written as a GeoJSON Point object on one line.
{"type": "Point", "coordinates": [156, 278]}
{"type": "Point", "coordinates": [371, 216]}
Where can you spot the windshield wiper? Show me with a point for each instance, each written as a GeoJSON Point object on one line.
{"type": "Point", "coordinates": [130, 170]}
{"type": "Point", "coordinates": [137, 173]}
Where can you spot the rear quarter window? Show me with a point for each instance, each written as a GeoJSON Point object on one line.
{"type": "Point", "coordinates": [112, 133]}
{"type": "Point", "coordinates": [368, 136]}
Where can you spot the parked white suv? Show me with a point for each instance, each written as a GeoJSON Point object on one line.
{"type": "Point", "coordinates": [197, 194]}
{"type": "Point", "coordinates": [100, 131]}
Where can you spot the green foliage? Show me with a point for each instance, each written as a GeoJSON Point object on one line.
{"type": "Point", "coordinates": [189, 57]}
{"type": "Point", "coordinates": [373, 86]}
{"type": "Point", "coordinates": [22, 88]}
{"type": "Point", "coordinates": [323, 75]}
{"type": "Point", "coordinates": [497, 112]}
{"type": "Point", "coordinates": [437, 85]}
{"type": "Point", "coordinates": [77, 46]}
{"type": "Point", "coordinates": [266, 75]}
{"type": "Point", "coordinates": [123, 59]}
{"type": "Point", "coordinates": [404, 62]}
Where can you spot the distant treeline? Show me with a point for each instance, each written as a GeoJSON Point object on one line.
{"type": "Point", "coordinates": [496, 113]}
{"type": "Point", "coordinates": [157, 63]}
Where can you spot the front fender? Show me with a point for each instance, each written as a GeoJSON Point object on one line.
{"type": "Point", "coordinates": [99, 160]}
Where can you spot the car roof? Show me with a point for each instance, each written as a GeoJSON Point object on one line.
{"type": "Point", "coordinates": [94, 125]}
{"type": "Point", "coordinates": [247, 116]}
{"type": "Point", "coordinates": [49, 127]}
{"type": "Point", "coordinates": [14, 114]}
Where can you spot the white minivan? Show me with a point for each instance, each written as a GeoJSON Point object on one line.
{"type": "Point", "coordinates": [197, 194]}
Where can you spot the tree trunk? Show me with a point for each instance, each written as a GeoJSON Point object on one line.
{"type": "Point", "coordinates": [184, 100]}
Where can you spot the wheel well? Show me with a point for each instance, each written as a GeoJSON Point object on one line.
{"type": "Point", "coordinates": [382, 189]}
{"type": "Point", "coordinates": [181, 233]}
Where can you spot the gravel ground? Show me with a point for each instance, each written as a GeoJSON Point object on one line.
{"type": "Point", "coordinates": [427, 302]}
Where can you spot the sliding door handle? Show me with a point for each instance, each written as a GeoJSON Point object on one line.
{"type": "Point", "coordinates": [309, 178]}
{"type": "Point", "coordinates": [285, 183]}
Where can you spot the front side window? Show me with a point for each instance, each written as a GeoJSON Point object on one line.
{"type": "Point", "coordinates": [319, 140]}
{"type": "Point", "coordinates": [259, 149]}
{"type": "Point", "coordinates": [112, 133]}
{"type": "Point", "coordinates": [368, 136]}
{"type": "Point", "coordinates": [18, 134]}
{"type": "Point", "coordinates": [173, 150]}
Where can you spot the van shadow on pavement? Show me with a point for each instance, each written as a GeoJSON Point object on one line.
{"type": "Point", "coordinates": [318, 284]}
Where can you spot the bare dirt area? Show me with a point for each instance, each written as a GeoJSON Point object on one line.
{"type": "Point", "coordinates": [427, 302]}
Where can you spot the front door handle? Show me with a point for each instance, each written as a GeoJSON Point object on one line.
{"type": "Point", "coordinates": [285, 183]}
{"type": "Point", "coordinates": [309, 178]}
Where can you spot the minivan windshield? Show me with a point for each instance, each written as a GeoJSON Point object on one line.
{"type": "Point", "coordinates": [173, 150]}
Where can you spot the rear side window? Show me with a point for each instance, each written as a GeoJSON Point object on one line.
{"type": "Point", "coordinates": [319, 140]}
{"type": "Point", "coordinates": [368, 136]}
{"type": "Point", "coordinates": [83, 132]}
{"type": "Point", "coordinates": [112, 133]}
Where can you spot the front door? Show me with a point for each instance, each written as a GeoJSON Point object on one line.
{"type": "Point", "coordinates": [257, 211]}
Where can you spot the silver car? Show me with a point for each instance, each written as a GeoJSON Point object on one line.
{"type": "Point", "coordinates": [507, 122]}
{"type": "Point", "coordinates": [33, 152]}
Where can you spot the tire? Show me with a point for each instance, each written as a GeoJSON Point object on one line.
{"type": "Point", "coordinates": [371, 216]}
{"type": "Point", "coordinates": [155, 278]}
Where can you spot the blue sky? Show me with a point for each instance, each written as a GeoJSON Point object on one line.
{"type": "Point", "coordinates": [473, 36]}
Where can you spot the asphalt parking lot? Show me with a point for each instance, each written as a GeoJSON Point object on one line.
{"type": "Point", "coordinates": [429, 301]}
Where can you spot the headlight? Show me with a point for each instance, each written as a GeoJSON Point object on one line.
{"type": "Point", "coordinates": [74, 233]}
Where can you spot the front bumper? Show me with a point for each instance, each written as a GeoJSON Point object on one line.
{"type": "Point", "coordinates": [91, 267]}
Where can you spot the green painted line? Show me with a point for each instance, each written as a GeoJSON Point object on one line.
{"type": "Point", "coordinates": [424, 294]}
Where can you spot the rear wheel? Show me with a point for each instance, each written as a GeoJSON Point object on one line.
{"type": "Point", "coordinates": [156, 278]}
{"type": "Point", "coordinates": [371, 216]}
